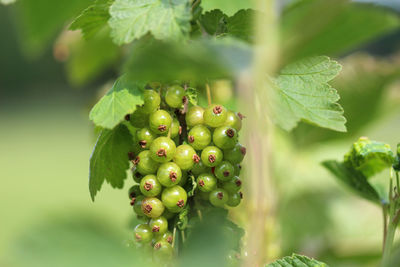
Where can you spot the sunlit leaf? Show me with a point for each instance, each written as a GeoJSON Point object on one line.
{"type": "Point", "coordinates": [296, 261]}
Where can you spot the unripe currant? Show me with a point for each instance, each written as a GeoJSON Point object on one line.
{"type": "Point", "coordinates": [194, 116]}
{"type": "Point", "coordinates": [152, 101]}
{"type": "Point", "coordinates": [134, 191]}
{"type": "Point", "coordinates": [224, 171]}
{"type": "Point", "coordinates": [183, 179]}
{"type": "Point", "coordinates": [215, 115]}
{"type": "Point", "coordinates": [199, 168]}
{"type": "Point", "coordinates": [145, 164]}
{"type": "Point", "coordinates": [152, 207]}
{"type": "Point", "coordinates": [150, 186]}
{"type": "Point", "coordinates": [162, 149]}
{"type": "Point", "coordinates": [174, 198]}
{"type": "Point", "coordinates": [236, 154]}
{"type": "Point", "coordinates": [233, 120]}
{"type": "Point", "coordinates": [199, 137]}
{"type": "Point", "coordinates": [175, 128]}
{"type": "Point", "coordinates": [169, 174]}
{"type": "Point", "coordinates": [137, 205]}
{"type": "Point", "coordinates": [185, 157]}
{"type": "Point", "coordinates": [160, 121]}
{"type": "Point", "coordinates": [158, 225]}
{"type": "Point", "coordinates": [233, 185]}
{"type": "Point", "coordinates": [163, 252]}
{"type": "Point", "coordinates": [234, 199]}
{"type": "Point", "coordinates": [206, 182]}
{"type": "Point", "coordinates": [143, 233]}
{"type": "Point", "coordinates": [225, 137]}
{"type": "Point", "coordinates": [174, 96]}
{"type": "Point", "coordinates": [145, 137]}
{"type": "Point", "coordinates": [167, 236]}
{"type": "Point", "coordinates": [218, 197]}
{"type": "Point", "coordinates": [211, 156]}
{"type": "Point", "coordinates": [136, 175]}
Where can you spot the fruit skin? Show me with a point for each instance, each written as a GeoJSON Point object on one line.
{"type": "Point", "coordinates": [199, 168]}
{"type": "Point", "coordinates": [183, 179]}
{"type": "Point", "coordinates": [236, 154]}
{"type": "Point", "coordinates": [225, 137]}
{"type": "Point", "coordinates": [218, 197]}
{"type": "Point", "coordinates": [137, 205]}
{"type": "Point", "coordinates": [203, 195]}
{"type": "Point", "coordinates": [224, 171]}
{"type": "Point", "coordinates": [174, 198]}
{"type": "Point", "coordinates": [152, 101]}
{"type": "Point", "coordinates": [150, 186]}
{"type": "Point", "coordinates": [184, 157]}
{"type": "Point", "coordinates": [233, 120]}
{"type": "Point", "coordinates": [206, 182]}
{"type": "Point", "coordinates": [174, 96]}
{"type": "Point", "coordinates": [169, 174]}
{"type": "Point", "coordinates": [139, 118]}
{"type": "Point", "coordinates": [163, 252]}
{"type": "Point", "coordinates": [158, 225]}
{"type": "Point", "coordinates": [167, 214]}
{"type": "Point", "coordinates": [160, 121]}
{"type": "Point", "coordinates": [152, 207]}
{"type": "Point", "coordinates": [234, 199]}
{"type": "Point", "coordinates": [145, 164]}
{"type": "Point", "coordinates": [238, 169]}
{"type": "Point", "coordinates": [174, 128]}
{"type": "Point", "coordinates": [215, 115]}
{"type": "Point", "coordinates": [167, 236]}
{"type": "Point", "coordinates": [211, 156]}
{"type": "Point", "coordinates": [143, 233]}
{"type": "Point", "coordinates": [145, 137]}
{"type": "Point", "coordinates": [199, 137]}
{"type": "Point", "coordinates": [233, 185]}
{"type": "Point", "coordinates": [137, 177]}
{"type": "Point", "coordinates": [134, 191]}
{"type": "Point", "coordinates": [194, 116]}
{"type": "Point", "coordinates": [162, 149]}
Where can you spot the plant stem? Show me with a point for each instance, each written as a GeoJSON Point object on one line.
{"type": "Point", "coordinates": [208, 90]}
{"type": "Point", "coordinates": [384, 211]}
{"type": "Point", "coordinates": [389, 243]}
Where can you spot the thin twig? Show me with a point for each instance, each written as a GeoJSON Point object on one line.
{"type": "Point", "coordinates": [208, 90]}
{"type": "Point", "coordinates": [384, 211]}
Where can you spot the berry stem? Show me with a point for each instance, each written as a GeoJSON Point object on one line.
{"type": "Point", "coordinates": [208, 90]}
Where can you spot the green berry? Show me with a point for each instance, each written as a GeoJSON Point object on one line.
{"type": "Point", "coordinates": [206, 182]}
{"type": "Point", "coordinates": [215, 115]}
{"type": "Point", "coordinates": [185, 157]}
{"type": "Point", "coordinates": [167, 236]}
{"type": "Point", "coordinates": [199, 168]}
{"type": "Point", "coordinates": [137, 177]}
{"type": "Point", "coordinates": [174, 198]}
{"type": "Point", "coordinates": [163, 252]}
{"type": "Point", "coordinates": [168, 215]}
{"type": "Point", "coordinates": [139, 118]}
{"type": "Point", "coordinates": [183, 179]}
{"type": "Point", "coordinates": [160, 121]}
{"type": "Point", "coordinates": [162, 149]}
{"type": "Point", "coordinates": [199, 137]}
{"type": "Point", "coordinates": [211, 156]}
{"type": "Point", "coordinates": [152, 207]}
{"type": "Point", "coordinates": [218, 197]}
{"type": "Point", "coordinates": [236, 154]}
{"type": "Point", "coordinates": [145, 137]}
{"type": "Point", "coordinates": [169, 174]}
{"type": "Point", "coordinates": [203, 195]}
{"type": "Point", "coordinates": [225, 137]}
{"type": "Point", "coordinates": [194, 116]}
{"type": "Point", "coordinates": [158, 225]}
{"type": "Point", "coordinates": [150, 186]}
{"type": "Point", "coordinates": [143, 233]}
{"type": "Point", "coordinates": [134, 191]}
{"type": "Point", "coordinates": [233, 120]}
{"type": "Point", "coordinates": [234, 199]}
{"type": "Point", "coordinates": [174, 96]}
{"type": "Point", "coordinates": [152, 101]}
{"type": "Point", "coordinates": [175, 128]}
{"type": "Point", "coordinates": [145, 164]}
{"type": "Point", "coordinates": [238, 169]}
{"type": "Point", "coordinates": [233, 185]}
{"type": "Point", "coordinates": [224, 171]}
{"type": "Point", "coordinates": [137, 205]}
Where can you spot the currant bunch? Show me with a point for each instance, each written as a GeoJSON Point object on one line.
{"type": "Point", "coordinates": [171, 143]}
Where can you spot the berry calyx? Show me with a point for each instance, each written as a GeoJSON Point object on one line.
{"type": "Point", "coordinates": [158, 225]}
{"type": "Point", "coordinates": [160, 121]}
{"type": "Point", "coordinates": [218, 197]}
{"type": "Point", "coordinates": [169, 174]}
{"type": "Point", "coordinates": [225, 137]}
{"type": "Point", "coordinates": [224, 171]}
{"type": "Point", "coordinates": [174, 198]}
{"type": "Point", "coordinates": [150, 186]}
{"type": "Point", "coordinates": [206, 182]}
{"type": "Point", "coordinates": [152, 207]}
{"type": "Point", "coordinates": [235, 154]}
{"type": "Point", "coordinates": [162, 149]}
{"type": "Point", "coordinates": [211, 156]}
{"type": "Point", "coordinates": [215, 116]}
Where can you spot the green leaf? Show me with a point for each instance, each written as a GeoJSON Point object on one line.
{"type": "Point", "coordinates": [197, 61]}
{"type": "Point", "coordinates": [369, 157]}
{"type": "Point", "coordinates": [132, 19]}
{"type": "Point", "coordinates": [191, 94]}
{"type": "Point", "coordinates": [117, 103]}
{"type": "Point", "coordinates": [191, 186]}
{"type": "Point", "coordinates": [214, 22]}
{"type": "Point", "coordinates": [353, 179]}
{"type": "Point", "coordinates": [93, 18]}
{"type": "Point", "coordinates": [241, 25]}
{"type": "Point", "coordinates": [296, 261]}
{"type": "Point", "coordinates": [228, 7]}
{"type": "Point", "coordinates": [302, 93]}
{"type": "Point", "coordinates": [182, 218]}
{"type": "Point", "coordinates": [109, 159]}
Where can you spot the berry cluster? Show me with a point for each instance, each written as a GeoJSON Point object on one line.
{"type": "Point", "coordinates": [172, 144]}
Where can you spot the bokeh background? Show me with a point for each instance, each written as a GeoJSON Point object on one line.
{"type": "Point", "coordinates": [49, 80]}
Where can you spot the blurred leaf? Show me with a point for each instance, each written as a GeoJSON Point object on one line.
{"type": "Point", "coordinates": [117, 103]}
{"type": "Point", "coordinates": [91, 58]}
{"type": "Point", "coordinates": [109, 159]}
{"type": "Point", "coordinates": [341, 26]}
{"type": "Point", "coordinates": [182, 218]}
{"type": "Point", "coordinates": [228, 7]}
{"type": "Point", "coordinates": [93, 18]}
{"type": "Point", "coordinates": [132, 19]}
{"type": "Point", "coordinates": [241, 25]}
{"type": "Point", "coordinates": [296, 261]}
{"type": "Point", "coordinates": [302, 93]}
{"type": "Point", "coordinates": [214, 22]}
{"type": "Point", "coordinates": [369, 157]}
{"type": "Point", "coordinates": [7, 2]}
{"type": "Point", "coordinates": [354, 179]}
{"type": "Point", "coordinates": [197, 61]}
{"type": "Point", "coordinates": [191, 94]}
{"type": "Point", "coordinates": [40, 20]}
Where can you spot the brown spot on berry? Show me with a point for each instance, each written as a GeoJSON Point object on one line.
{"type": "Point", "coordinates": [191, 138]}
{"type": "Point", "coordinates": [133, 201]}
{"type": "Point", "coordinates": [238, 183]}
{"type": "Point", "coordinates": [148, 186]}
{"type": "Point", "coordinates": [180, 203]}
{"type": "Point", "coordinates": [143, 143]}
{"type": "Point", "coordinates": [230, 132]}
{"type": "Point", "coordinates": [127, 117]}
{"type": "Point", "coordinates": [138, 237]}
{"type": "Point", "coordinates": [243, 150]}
{"type": "Point", "coordinates": [226, 173]}
{"type": "Point", "coordinates": [173, 176]}
{"type": "Point", "coordinates": [217, 109]}
{"type": "Point", "coordinates": [201, 183]}
{"type": "Point", "coordinates": [220, 195]}
{"type": "Point", "coordinates": [157, 246]}
{"type": "Point", "coordinates": [131, 155]}
{"type": "Point", "coordinates": [147, 208]}
{"type": "Point", "coordinates": [162, 152]}
{"type": "Point", "coordinates": [136, 160]}
{"type": "Point", "coordinates": [169, 239]}
{"type": "Point", "coordinates": [196, 158]}
{"type": "Point", "coordinates": [241, 116]}
{"type": "Point", "coordinates": [155, 229]}
{"type": "Point", "coordinates": [241, 194]}
{"type": "Point", "coordinates": [162, 128]}
{"type": "Point", "coordinates": [212, 158]}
